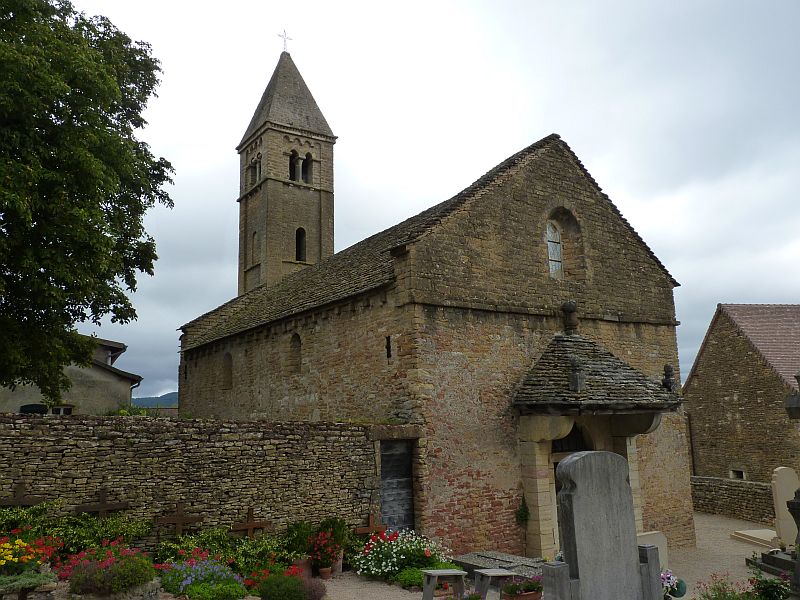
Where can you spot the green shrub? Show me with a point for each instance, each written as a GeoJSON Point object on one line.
{"type": "Point", "coordinates": [297, 537]}
{"type": "Point", "coordinates": [266, 549]}
{"type": "Point", "coordinates": [179, 576]}
{"type": "Point", "coordinates": [230, 590]}
{"type": "Point", "coordinates": [282, 587]}
{"type": "Point", "coordinates": [30, 579]}
{"type": "Point", "coordinates": [94, 577]}
{"type": "Point", "coordinates": [76, 532]}
{"type": "Point", "coordinates": [410, 577]}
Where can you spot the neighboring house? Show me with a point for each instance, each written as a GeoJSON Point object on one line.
{"type": "Point", "coordinates": [735, 396]}
{"type": "Point", "coordinates": [97, 389]}
{"type": "Point", "coordinates": [450, 323]}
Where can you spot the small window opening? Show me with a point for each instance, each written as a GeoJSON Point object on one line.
{"type": "Point", "coordinates": [258, 167]}
{"type": "Point", "coordinates": [554, 250]}
{"type": "Point", "coordinates": [307, 167]}
{"type": "Point", "coordinates": [293, 166]}
{"type": "Point", "coordinates": [64, 409]}
{"type": "Point", "coordinates": [227, 371]}
{"type": "Point", "coordinates": [300, 245]}
{"type": "Point", "coordinates": [737, 474]}
{"type": "Point", "coordinates": [388, 346]}
{"type": "Point", "coordinates": [185, 370]}
{"type": "Point", "coordinates": [254, 249]}
{"type": "Point", "coordinates": [295, 354]}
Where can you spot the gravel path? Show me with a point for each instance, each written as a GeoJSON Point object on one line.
{"type": "Point", "coordinates": [716, 552]}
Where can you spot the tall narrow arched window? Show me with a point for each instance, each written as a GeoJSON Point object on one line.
{"type": "Point", "coordinates": [227, 371]}
{"type": "Point", "coordinates": [300, 245]}
{"type": "Point", "coordinates": [295, 358]}
{"type": "Point", "coordinates": [293, 174]}
{"type": "Point", "coordinates": [307, 168]}
{"type": "Point", "coordinates": [254, 249]}
{"type": "Point", "coordinates": [554, 250]}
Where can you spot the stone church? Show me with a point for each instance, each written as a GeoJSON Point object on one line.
{"type": "Point", "coordinates": [491, 335]}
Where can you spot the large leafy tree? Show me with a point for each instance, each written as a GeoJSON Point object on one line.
{"type": "Point", "coordinates": [75, 183]}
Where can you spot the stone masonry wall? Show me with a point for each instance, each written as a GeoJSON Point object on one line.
{"type": "Point", "coordinates": [345, 372]}
{"type": "Point", "coordinates": [748, 500]}
{"type": "Point", "coordinates": [736, 414]}
{"type": "Point", "coordinates": [284, 471]}
{"type": "Point", "coordinates": [492, 254]}
{"type": "Point", "coordinates": [474, 359]}
{"type": "Point", "coordinates": [490, 307]}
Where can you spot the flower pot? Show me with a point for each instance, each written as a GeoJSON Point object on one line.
{"type": "Point", "coordinates": [337, 566]}
{"type": "Point", "coordinates": [525, 596]}
{"type": "Point", "coordinates": [325, 573]}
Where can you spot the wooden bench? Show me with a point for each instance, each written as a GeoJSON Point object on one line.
{"type": "Point", "coordinates": [454, 577]}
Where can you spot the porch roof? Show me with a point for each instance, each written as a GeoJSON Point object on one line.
{"type": "Point", "coordinates": [575, 375]}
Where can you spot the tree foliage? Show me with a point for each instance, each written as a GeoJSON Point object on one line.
{"type": "Point", "coordinates": [75, 183]}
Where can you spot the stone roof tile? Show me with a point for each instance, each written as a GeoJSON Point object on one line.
{"type": "Point", "coordinates": [609, 385]}
{"type": "Point", "coordinates": [287, 101]}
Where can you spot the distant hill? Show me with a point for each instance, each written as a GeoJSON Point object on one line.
{"type": "Point", "coordinates": [169, 400]}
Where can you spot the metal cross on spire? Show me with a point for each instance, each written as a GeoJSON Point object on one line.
{"type": "Point", "coordinates": [286, 38]}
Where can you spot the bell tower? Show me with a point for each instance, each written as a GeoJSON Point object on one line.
{"type": "Point", "coordinates": [286, 182]}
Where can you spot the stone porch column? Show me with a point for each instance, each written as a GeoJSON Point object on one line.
{"type": "Point", "coordinates": [624, 429]}
{"type": "Point", "coordinates": [536, 434]}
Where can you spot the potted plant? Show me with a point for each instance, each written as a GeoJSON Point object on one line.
{"type": "Point", "coordinates": [298, 545]}
{"type": "Point", "coordinates": [324, 552]}
{"type": "Point", "coordinates": [529, 589]}
{"type": "Point", "coordinates": [340, 534]}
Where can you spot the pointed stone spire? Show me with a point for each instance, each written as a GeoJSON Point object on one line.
{"type": "Point", "coordinates": [287, 101]}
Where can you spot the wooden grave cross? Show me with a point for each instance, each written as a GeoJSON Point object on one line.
{"type": "Point", "coordinates": [103, 507]}
{"type": "Point", "coordinates": [372, 527]}
{"type": "Point", "coordinates": [19, 497]}
{"type": "Point", "coordinates": [250, 525]}
{"type": "Point", "coordinates": [179, 519]}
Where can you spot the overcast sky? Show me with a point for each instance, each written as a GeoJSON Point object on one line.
{"type": "Point", "coordinates": [685, 112]}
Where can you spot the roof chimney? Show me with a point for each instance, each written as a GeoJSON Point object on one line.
{"type": "Point", "coordinates": [569, 308]}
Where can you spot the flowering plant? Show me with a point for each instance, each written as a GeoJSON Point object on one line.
{"type": "Point", "coordinates": [257, 578]}
{"type": "Point", "coordinates": [110, 569]}
{"type": "Point", "coordinates": [19, 553]}
{"type": "Point", "coordinates": [672, 586]}
{"type": "Point", "coordinates": [177, 577]}
{"type": "Point", "coordinates": [386, 554]}
{"type": "Point", "coordinates": [324, 550]}
{"type": "Point", "coordinates": [524, 586]}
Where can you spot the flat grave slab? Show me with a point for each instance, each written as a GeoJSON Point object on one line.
{"type": "Point", "coordinates": [490, 559]}
{"type": "Point", "coordinates": [759, 537]}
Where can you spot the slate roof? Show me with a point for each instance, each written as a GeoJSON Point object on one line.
{"type": "Point", "coordinates": [611, 385]}
{"type": "Point", "coordinates": [287, 101]}
{"type": "Point", "coordinates": [774, 331]}
{"type": "Point", "coordinates": [362, 267]}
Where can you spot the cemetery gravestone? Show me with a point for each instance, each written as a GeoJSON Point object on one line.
{"type": "Point", "coordinates": [598, 535]}
{"type": "Point", "coordinates": [784, 484]}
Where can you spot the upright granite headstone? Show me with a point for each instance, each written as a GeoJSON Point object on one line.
{"type": "Point", "coordinates": [598, 535]}
{"type": "Point", "coordinates": [784, 484]}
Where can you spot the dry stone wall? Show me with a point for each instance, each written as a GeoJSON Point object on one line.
{"type": "Point", "coordinates": [748, 500]}
{"type": "Point", "coordinates": [284, 471]}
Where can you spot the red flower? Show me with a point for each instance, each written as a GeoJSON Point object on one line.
{"type": "Point", "coordinates": [427, 552]}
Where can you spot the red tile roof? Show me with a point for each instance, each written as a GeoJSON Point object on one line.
{"type": "Point", "coordinates": [774, 329]}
